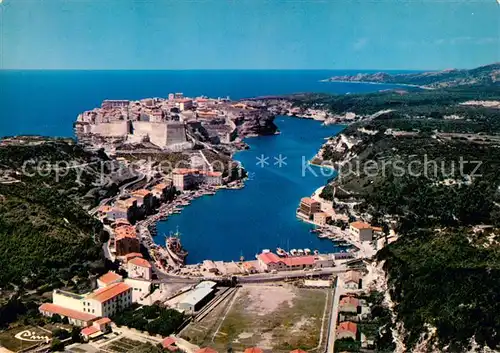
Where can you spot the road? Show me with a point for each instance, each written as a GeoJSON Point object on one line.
{"type": "Point", "coordinates": [334, 315]}
{"type": "Point", "coordinates": [263, 277]}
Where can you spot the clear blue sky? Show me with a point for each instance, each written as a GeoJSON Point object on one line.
{"type": "Point", "coordinates": [249, 34]}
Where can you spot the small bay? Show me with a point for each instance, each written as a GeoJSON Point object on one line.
{"type": "Point", "coordinates": [262, 215]}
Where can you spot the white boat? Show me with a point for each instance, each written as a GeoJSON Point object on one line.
{"type": "Point", "coordinates": [307, 251]}
{"type": "Point", "coordinates": [293, 252]}
{"type": "Point", "coordinates": [300, 252]}
{"type": "Point", "coordinates": [266, 251]}
{"type": "Point", "coordinates": [281, 252]}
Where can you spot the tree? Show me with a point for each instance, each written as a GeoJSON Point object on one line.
{"type": "Point", "coordinates": [57, 345]}
{"type": "Point", "coordinates": [55, 319]}
{"type": "Point", "coordinates": [60, 333]}
{"type": "Point", "coordinates": [75, 335]}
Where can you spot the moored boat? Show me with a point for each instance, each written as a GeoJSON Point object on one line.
{"type": "Point", "coordinates": [174, 247]}
{"type": "Point", "coordinates": [281, 252]}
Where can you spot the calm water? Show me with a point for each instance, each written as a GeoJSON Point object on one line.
{"type": "Point", "coordinates": [231, 223]}
{"type": "Point", "coordinates": [261, 215]}
{"type": "Point", "coordinates": [47, 102]}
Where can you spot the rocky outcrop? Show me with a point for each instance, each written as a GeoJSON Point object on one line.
{"type": "Point", "coordinates": [489, 74]}
{"type": "Point", "coordinates": [261, 123]}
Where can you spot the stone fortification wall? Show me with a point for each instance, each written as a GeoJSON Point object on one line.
{"type": "Point", "coordinates": [114, 129]}
{"type": "Point", "coordinates": [156, 132]}
{"type": "Point", "coordinates": [160, 134]}
{"type": "Point", "coordinates": [176, 133]}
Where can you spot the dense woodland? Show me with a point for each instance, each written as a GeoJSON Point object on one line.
{"type": "Point", "coordinates": [153, 319]}
{"type": "Point", "coordinates": [443, 271]}
{"type": "Point", "coordinates": [47, 239]}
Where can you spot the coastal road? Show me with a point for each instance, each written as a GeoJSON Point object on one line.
{"type": "Point", "coordinates": [334, 315]}
{"type": "Point", "coordinates": [263, 277]}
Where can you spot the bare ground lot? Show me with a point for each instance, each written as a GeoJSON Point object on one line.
{"type": "Point", "coordinates": [9, 340]}
{"type": "Point", "coordinates": [274, 318]}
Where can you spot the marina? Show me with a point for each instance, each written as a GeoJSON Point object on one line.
{"type": "Point", "coordinates": [261, 215]}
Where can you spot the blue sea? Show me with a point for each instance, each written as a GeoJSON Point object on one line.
{"type": "Point", "coordinates": [232, 222]}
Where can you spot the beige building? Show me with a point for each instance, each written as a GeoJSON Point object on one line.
{"type": "Point", "coordinates": [347, 329]}
{"type": "Point", "coordinates": [308, 207]}
{"type": "Point", "coordinates": [349, 305]}
{"type": "Point", "coordinates": [108, 300]}
{"type": "Point", "coordinates": [363, 231]}
{"type": "Point", "coordinates": [144, 199]}
{"type": "Point", "coordinates": [184, 179]}
{"type": "Point", "coordinates": [82, 310]}
{"type": "Point", "coordinates": [67, 299]}
{"type": "Point", "coordinates": [352, 280]}
{"type": "Point", "coordinates": [109, 279]}
{"type": "Point", "coordinates": [160, 191]}
{"type": "Point", "coordinates": [139, 268]}
{"type": "Point", "coordinates": [140, 288]}
{"type": "Point", "coordinates": [75, 317]}
{"type": "Point", "coordinates": [321, 218]}
{"type": "Point", "coordinates": [126, 241]}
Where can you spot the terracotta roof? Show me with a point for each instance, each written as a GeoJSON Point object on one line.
{"type": "Point", "coordinates": [167, 342]}
{"type": "Point", "coordinates": [308, 201]}
{"type": "Point", "coordinates": [377, 229]}
{"type": "Point", "coordinates": [298, 351]}
{"type": "Point", "coordinates": [141, 193]}
{"type": "Point", "coordinates": [206, 350]}
{"type": "Point", "coordinates": [119, 209]}
{"type": "Point", "coordinates": [140, 262]}
{"type": "Point", "coordinates": [352, 276]}
{"type": "Point", "coordinates": [103, 321]}
{"type": "Point", "coordinates": [105, 209]}
{"type": "Point", "coordinates": [349, 301]}
{"type": "Point", "coordinates": [89, 330]}
{"type": "Point", "coordinates": [125, 232]}
{"type": "Point", "coordinates": [70, 313]}
{"type": "Point", "coordinates": [269, 257]}
{"type": "Point", "coordinates": [253, 350]}
{"type": "Point", "coordinates": [212, 174]}
{"type": "Point", "coordinates": [249, 264]}
{"type": "Point", "coordinates": [348, 326]}
{"type": "Point", "coordinates": [299, 260]}
{"type": "Point", "coordinates": [110, 277]}
{"type": "Point", "coordinates": [104, 294]}
{"type": "Point", "coordinates": [122, 221]}
{"type": "Point", "coordinates": [360, 225]}
{"type": "Point", "coordinates": [130, 256]}
{"type": "Point", "coordinates": [185, 171]}
{"type": "Point", "coordinates": [127, 202]}
{"type": "Point", "coordinates": [160, 186]}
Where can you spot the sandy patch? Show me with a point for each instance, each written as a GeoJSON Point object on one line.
{"type": "Point", "coordinates": [263, 302]}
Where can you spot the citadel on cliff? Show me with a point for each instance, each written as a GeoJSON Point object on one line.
{"type": "Point", "coordinates": [175, 124]}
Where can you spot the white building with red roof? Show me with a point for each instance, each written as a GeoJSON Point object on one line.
{"type": "Point", "coordinates": [108, 300]}
{"type": "Point", "coordinates": [347, 329]}
{"type": "Point", "coordinates": [269, 261]}
{"type": "Point", "coordinates": [81, 310]}
{"type": "Point", "coordinates": [139, 268]}
{"type": "Point", "coordinates": [74, 317]}
{"type": "Point", "coordinates": [97, 329]}
{"type": "Point", "coordinates": [108, 279]}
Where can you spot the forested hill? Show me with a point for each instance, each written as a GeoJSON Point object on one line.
{"type": "Point", "coordinates": [484, 75]}
{"type": "Point", "coordinates": [444, 269]}
{"type": "Point", "coordinates": [46, 236]}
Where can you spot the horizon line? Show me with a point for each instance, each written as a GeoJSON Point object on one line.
{"type": "Point", "coordinates": [249, 69]}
